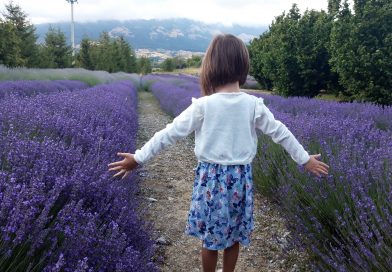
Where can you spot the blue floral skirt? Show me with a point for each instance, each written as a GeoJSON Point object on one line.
{"type": "Point", "coordinates": [221, 211]}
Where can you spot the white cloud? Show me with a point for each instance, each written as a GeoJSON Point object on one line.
{"type": "Point", "coordinates": [245, 12]}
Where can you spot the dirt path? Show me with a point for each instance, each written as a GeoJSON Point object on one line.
{"type": "Point", "coordinates": [167, 187]}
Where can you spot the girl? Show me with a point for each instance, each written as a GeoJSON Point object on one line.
{"type": "Point", "coordinates": [225, 121]}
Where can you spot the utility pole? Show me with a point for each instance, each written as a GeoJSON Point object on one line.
{"type": "Point", "coordinates": [72, 26]}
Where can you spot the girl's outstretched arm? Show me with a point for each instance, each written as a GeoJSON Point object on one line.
{"type": "Point", "coordinates": [280, 134]}
{"type": "Point", "coordinates": [182, 125]}
{"type": "Point", "coordinates": [185, 123]}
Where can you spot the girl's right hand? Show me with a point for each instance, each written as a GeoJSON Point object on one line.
{"type": "Point", "coordinates": [315, 166]}
{"type": "Point", "coordinates": [124, 166]}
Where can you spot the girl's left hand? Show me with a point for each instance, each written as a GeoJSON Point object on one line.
{"type": "Point", "coordinates": [315, 166]}
{"type": "Point", "coordinates": [125, 166]}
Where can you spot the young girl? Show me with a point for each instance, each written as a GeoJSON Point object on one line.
{"type": "Point", "coordinates": [225, 121]}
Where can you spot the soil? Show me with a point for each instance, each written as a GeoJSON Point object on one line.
{"type": "Point", "coordinates": [166, 185]}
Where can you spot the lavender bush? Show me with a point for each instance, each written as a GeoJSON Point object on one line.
{"type": "Point", "coordinates": [33, 87]}
{"type": "Point", "coordinates": [347, 216]}
{"type": "Point", "coordinates": [80, 74]}
{"type": "Point", "coordinates": [173, 92]}
{"type": "Point", "coordinates": [60, 209]}
{"type": "Point", "coordinates": [344, 219]}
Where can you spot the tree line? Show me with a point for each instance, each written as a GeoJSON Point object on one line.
{"type": "Point", "coordinates": [345, 51]}
{"type": "Point", "coordinates": [19, 48]}
{"type": "Point", "coordinates": [170, 64]}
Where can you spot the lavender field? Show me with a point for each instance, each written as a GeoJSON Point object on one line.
{"type": "Point", "coordinates": [345, 219]}
{"type": "Point", "coordinates": [60, 209]}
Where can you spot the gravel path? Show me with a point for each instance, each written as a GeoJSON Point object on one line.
{"type": "Point", "coordinates": [166, 184]}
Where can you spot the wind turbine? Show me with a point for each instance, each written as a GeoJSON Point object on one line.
{"type": "Point", "coordinates": [72, 26]}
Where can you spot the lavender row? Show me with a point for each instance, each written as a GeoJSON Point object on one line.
{"type": "Point", "coordinates": [344, 219]}
{"type": "Point", "coordinates": [173, 92]}
{"type": "Point", "coordinates": [90, 77]}
{"type": "Point", "coordinates": [33, 87]}
{"type": "Point", "coordinates": [60, 209]}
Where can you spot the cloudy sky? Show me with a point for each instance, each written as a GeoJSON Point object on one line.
{"type": "Point", "coordinates": [244, 12]}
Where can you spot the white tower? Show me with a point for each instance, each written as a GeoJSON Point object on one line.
{"type": "Point", "coordinates": [72, 26]}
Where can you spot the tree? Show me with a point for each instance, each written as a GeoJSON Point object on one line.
{"type": "Point", "coordinates": [313, 55]}
{"type": "Point", "coordinates": [261, 61]}
{"type": "Point", "coordinates": [56, 49]}
{"type": "Point", "coordinates": [128, 56]}
{"type": "Point", "coordinates": [10, 54]}
{"type": "Point", "coordinates": [168, 65]}
{"type": "Point", "coordinates": [361, 52]}
{"type": "Point", "coordinates": [194, 61]}
{"type": "Point", "coordinates": [25, 32]}
{"type": "Point", "coordinates": [144, 65]}
{"type": "Point", "coordinates": [333, 7]}
{"type": "Point", "coordinates": [292, 57]}
{"type": "Point", "coordinates": [102, 53]}
{"type": "Point", "coordinates": [84, 56]}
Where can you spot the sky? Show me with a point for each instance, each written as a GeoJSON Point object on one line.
{"type": "Point", "coordinates": [227, 12]}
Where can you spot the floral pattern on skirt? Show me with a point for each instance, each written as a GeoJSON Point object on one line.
{"type": "Point", "coordinates": [221, 211]}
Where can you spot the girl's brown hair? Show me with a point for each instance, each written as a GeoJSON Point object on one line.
{"type": "Point", "coordinates": [226, 61]}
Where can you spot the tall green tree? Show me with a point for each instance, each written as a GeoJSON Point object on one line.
{"type": "Point", "coordinates": [261, 61]}
{"type": "Point", "coordinates": [361, 49]}
{"type": "Point", "coordinates": [10, 45]}
{"type": "Point", "coordinates": [292, 56]}
{"type": "Point", "coordinates": [127, 61]}
{"type": "Point", "coordinates": [102, 53]}
{"type": "Point", "coordinates": [333, 7]}
{"type": "Point", "coordinates": [84, 56]}
{"type": "Point", "coordinates": [25, 31]}
{"type": "Point", "coordinates": [57, 52]}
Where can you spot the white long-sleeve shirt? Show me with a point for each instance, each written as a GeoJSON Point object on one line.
{"type": "Point", "coordinates": [225, 126]}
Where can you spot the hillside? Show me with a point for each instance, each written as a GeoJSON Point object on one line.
{"type": "Point", "coordinates": [168, 34]}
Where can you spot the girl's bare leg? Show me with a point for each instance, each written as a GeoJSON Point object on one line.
{"type": "Point", "coordinates": [230, 256]}
{"type": "Point", "coordinates": [209, 259]}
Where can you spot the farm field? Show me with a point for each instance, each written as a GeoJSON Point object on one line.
{"type": "Point", "coordinates": [56, 138]}
{"type": "Point", "coordinates": [344, 219]}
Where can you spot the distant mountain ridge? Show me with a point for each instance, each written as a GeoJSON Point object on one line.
{"type": "Point", "coordinates": [169, 34]}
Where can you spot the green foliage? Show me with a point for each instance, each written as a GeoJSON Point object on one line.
{"type": "Point", "coordinates": [170, 64]}
{"type": "Point", "coordinates": [107, 54]}
{"type": "Point", "coordinates": [128, 57]}
{"type": "Point", "coordinates": [292, 56]}
{"type": "Point", "coordinates": [55, 53]}
{"type": "Point", "coordinates": [348, 53]}
{"type": "Point", "coordinates": [10, 54]}
{"type": "Point", "coordinates": [261, 61]}
{"type": "Point", "coordinates": [144, 65]}
{"type": "Point", "coordinates": [361, 49]}
{"type": "Point", "coordinates": [84, 56]}
{"type": "Point", "coordinates": [18, 40]}
{"type": "Point", "coordinates": [194, 61]}
{"type": "Point", "coordinates": [18, 48]}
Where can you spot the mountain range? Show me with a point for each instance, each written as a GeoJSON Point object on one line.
{"type": "Point", "coordinates": [154, 34]}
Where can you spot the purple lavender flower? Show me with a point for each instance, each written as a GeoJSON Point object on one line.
{"type": "Point", "coordinates": [60, 210]}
